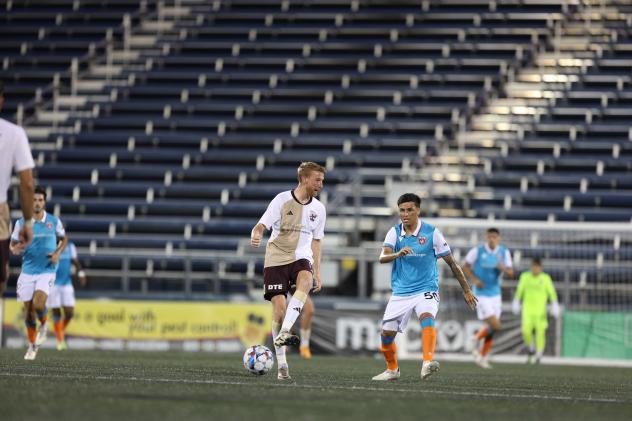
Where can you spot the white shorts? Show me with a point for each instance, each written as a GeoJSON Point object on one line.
{"type": "Point", "coordinates": [61, 296]}
{"type": "Point", "coordinates": [399, 309]}
{"type": "Point", "coordinates": [28, 284]}
{"type": "Point", "coordinates": [488, 307]}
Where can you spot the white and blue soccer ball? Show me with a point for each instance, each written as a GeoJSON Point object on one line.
{"type": "Point", "coordinates": [258, 359]}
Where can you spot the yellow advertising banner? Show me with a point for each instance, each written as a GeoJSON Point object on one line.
{"type": "Point", "coordinates": [160, 320]}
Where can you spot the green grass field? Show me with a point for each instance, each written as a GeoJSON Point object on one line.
{"type": "Point", "coordinates": [94, 385]}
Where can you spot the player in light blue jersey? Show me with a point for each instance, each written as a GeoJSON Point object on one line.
{"type": "Point", "coordinates": [62, 295]}
{"type": "Point", "coordinates": [40, 259]}
{"type": "Point", "coordinates": [485, 265]}
{"type": "Point", "coordinates": [414, 247]}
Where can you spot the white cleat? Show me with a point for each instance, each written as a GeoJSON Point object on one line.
{"type": "Point", "coordinates": [483, 363]}
{"type": "Point", "coordinates": [31, 352]}
{"type": "Point", "coordinates": [428, 368]}
{"type": "Point", "coordinates": [387, 375]}
{"type": "Point", "coordinates": [284, 372]}
{"type": "Point", "coordinates": [478, 358]}
{"type": "Point", "coordinates": [42, 331]}
{"type": "Point", "coordinates": [286, 338]}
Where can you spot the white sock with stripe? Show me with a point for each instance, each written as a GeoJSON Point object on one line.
{"type": "Point", "coordinates": [294, 309]}
{"type": "Point", "coordinates": [279, 350]}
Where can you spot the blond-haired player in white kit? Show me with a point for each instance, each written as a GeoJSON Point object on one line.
{"type": "Point", "coordinates": [297, 220]}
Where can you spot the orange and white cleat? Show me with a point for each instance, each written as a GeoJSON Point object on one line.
{"type": "Point", "coordinates": [387, 375]}
{"type": "Point", "coordinates": [306, 353]}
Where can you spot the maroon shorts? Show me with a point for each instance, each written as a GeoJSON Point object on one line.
{"type": "Point", "coordinates": [277, 280]}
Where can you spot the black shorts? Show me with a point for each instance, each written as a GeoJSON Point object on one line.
{"type": "Point", "coordinates": [4, 260]}
{"type": "Point", "coordinates": [5, 234]}
{"type": "Point", "coordinates": [277, 280]}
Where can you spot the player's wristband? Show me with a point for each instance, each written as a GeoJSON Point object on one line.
{"type": "Point", "coordinates": [81, 273]}
{"type": "Point", "coordinates": [28, 223]}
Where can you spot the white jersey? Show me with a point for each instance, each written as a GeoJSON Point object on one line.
{"type": "Point", "coordinates": [294, 226]}
{"type": "Point", "coordinates": [15, 154]}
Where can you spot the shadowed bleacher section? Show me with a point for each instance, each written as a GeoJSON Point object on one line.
{"type": "Point", "coordinates": [168, 126]}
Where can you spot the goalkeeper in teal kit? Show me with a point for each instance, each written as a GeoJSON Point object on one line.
{"type": "Point", "coordinates": [535, 289]}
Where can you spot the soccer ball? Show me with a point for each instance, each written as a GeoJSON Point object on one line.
{"type": "Point", "coordinates": [258, 359]}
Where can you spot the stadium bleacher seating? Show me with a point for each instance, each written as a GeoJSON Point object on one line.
{"type": "Point", "coordinates": [170, 125]}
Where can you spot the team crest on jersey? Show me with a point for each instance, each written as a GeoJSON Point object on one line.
{"type": "Point", "coordinates": [312, 216]}
{"type": "Point", "coordinates": [49, 225]}
{"type": "Point", "coordinates": [422, 241]}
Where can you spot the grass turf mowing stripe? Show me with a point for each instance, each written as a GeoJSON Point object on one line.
{"type": "Point", "coordinates": [315, 387]}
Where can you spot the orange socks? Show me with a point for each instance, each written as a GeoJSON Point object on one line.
{"type": "Point", "coordinates": [428, 336]}
{"type": "Point", "coordinates": [31, 331]}
{"type": "Point", "coordinates": [59, 327]}
{"type": "Point", "coordinates": [389, 349]}
{"type": "Point", "coordinates": [487, 345]}
{"type": "Point", "coordinates": [428, 342]}
{"type": "Point", "coordinates": [488, 334]}
{"type": "Point", "coordinates": [59, 331]}
{"type": "Point", "coordinates": [482, 333]}
{"type": "Point", "coordinates": [31, 334]}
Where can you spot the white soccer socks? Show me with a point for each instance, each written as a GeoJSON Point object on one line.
{"type": "Point", "coordinates": [279, 350]}
{"type": "Point", "coordinates": [294, 309]}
